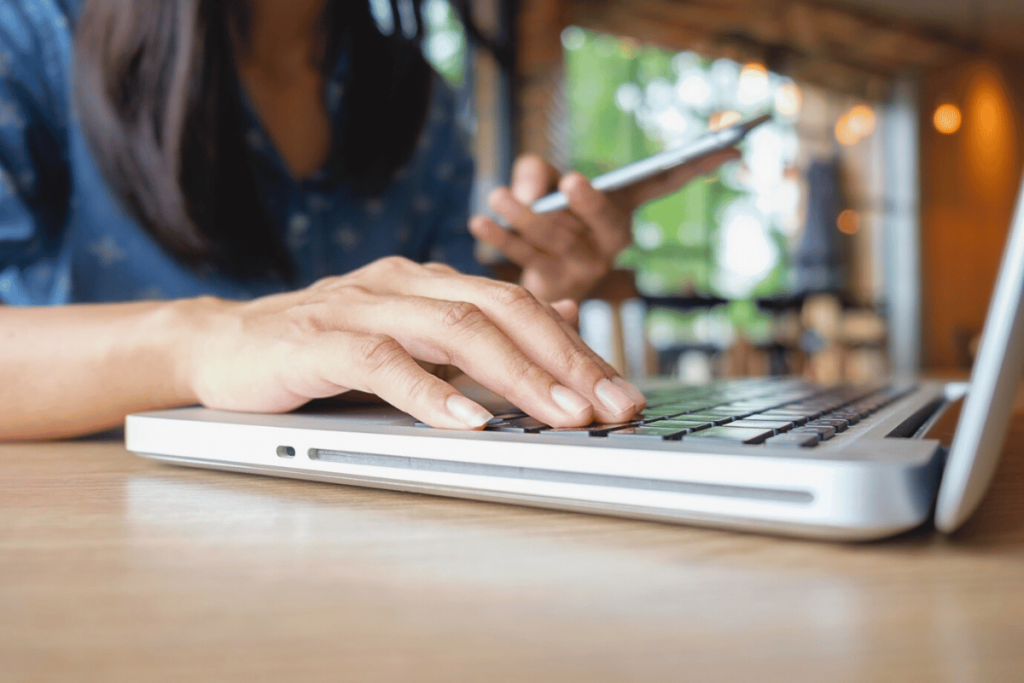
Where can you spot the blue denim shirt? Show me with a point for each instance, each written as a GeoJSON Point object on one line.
{"type": "Point", "coordinates": [64, 238]}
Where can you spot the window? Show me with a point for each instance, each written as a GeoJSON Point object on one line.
{"type": "Point", "coordinates": [728, 234]}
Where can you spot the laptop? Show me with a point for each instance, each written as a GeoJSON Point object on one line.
{"type": "Point", "coordinates": [767, 454]}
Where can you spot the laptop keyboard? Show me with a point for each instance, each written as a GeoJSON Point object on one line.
{"type": "Point", "coordinates": [775, 412]}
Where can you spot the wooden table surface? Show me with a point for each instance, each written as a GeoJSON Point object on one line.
{"type": "Point", "coordinates": [115, 568]}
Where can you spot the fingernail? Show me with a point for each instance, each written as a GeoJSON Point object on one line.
{"type": "Point", "coordinates": [615, 399]}
{"type": "Point", "coordinates": [568, 400]}
{"type": "Point", "coordinates": [638, 398]}
{"type": "Point", "coordinates": [574, 185]}
{"type": "Point", "coordinates": [467, 412]}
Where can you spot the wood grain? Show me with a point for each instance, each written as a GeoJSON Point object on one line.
{"type": "Point", "coordinates": [113, 568]}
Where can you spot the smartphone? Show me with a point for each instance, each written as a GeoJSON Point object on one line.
{"type": "Point", "coordinates": [659, 163]}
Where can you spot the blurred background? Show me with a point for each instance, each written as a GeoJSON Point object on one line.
{"type": "Point", "coordinates": [860, 233]}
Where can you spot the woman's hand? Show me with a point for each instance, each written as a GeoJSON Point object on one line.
{"type": "Point", "coordinates": [373, 329]}
{"type": "Point", "coordinates": [564, 254]}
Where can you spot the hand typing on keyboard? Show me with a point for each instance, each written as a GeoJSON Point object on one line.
{"type": "Point", "coordinates": [382, 328]}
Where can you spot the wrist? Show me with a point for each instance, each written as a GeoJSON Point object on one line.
{"type": "Point", "coordinates": [186, 327]}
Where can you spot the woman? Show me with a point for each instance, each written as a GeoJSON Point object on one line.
{"type": "Point", "coordinates": [221, 162]}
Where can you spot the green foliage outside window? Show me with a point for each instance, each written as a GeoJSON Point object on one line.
{"type": "Point", "coordinates": [725, 234]}
{"type": "Point", "coordinates": [627, 101]}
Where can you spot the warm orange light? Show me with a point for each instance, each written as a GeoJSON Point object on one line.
{"type": "Point", "coordinates": [844, 132]}
{"type": "Point", "coordinates": [989, 136]}
{"type": "Point", "coordinates": [848, 222]}
{"type": "Point", "coordinates": [721, 119]}
{"type": "Point", "coordinates": [788, 99]}
{"type": "Point", "coordinates": [947, 119]}
{"type": "Point", "coordinates": [754, 69]}
{"type": "Point", "coordinates": [862, 120]}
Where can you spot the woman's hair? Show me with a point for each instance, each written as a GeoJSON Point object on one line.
{"type": "Point", "coordinates": [157, 94]}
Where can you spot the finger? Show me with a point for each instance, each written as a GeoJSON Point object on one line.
{"type": "Point", "coordinates": [533, 329]}
{"type": "Point", "coordinates": [610, 226]}
{"type": "Point", "coordinates": [600, 413]}
{"type": "Point", "coordinates": [567, 309]}
{"type": "Point", "coordinates": [458, 333]}
{"type": "Point", "coordinates": [555, 233]}
{"type": "Point", "coordinates": [378, 364]}
{"type": "Point", "coordinates": [541, 336]}
{"type": "Point", "coordinates": [441, 268]}
{"type": "Point", "coordinates": [518, 250]}
{"type": "Point", "coordinates": [532, 178]}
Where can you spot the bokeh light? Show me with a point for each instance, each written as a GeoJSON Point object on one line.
{"type": "Point", "coordinates": [693, 88]}
{"type": "Point", "coordinates": [789, 99]}
{"type": "Point", "coordinates": [753, 84]}
{"type": "Point", "coordinates": [746, 253]}
{"type": "Point", "coordinates": [947, 118]}
{"type": "Point", "coordinates": [845, 134]}
{"type": "Point", "coordinates": [848, 222]}
{"type": "Point", "coordinates": [573, 38]}
{"type": "Point", "coordinates": [854, 125]}
{"type": "Point", "coordinates": [862, 120]}
{"type": "Point", "coordinates": [628, 97]}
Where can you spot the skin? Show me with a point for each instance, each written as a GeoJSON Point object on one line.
{"type": "Point", "coordinates": [380, 329]}
{"type": "Point", "coordinates": [564, 254]}
{"type": "Point", "coordinates": [393, 328]}
{"type": "Point", "coordinates": [280, 74]}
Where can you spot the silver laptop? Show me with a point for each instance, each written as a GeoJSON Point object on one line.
{"type": "Point", "coordinates": [769, 454]}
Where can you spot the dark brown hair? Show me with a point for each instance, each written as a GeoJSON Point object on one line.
{"type": "Point", "coordinates": [157, 95]}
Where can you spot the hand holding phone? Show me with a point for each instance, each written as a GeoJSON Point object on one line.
{"type": "Point", "coordinates": [637, 171]}
{"type": "Point", "coordinates": [563, 254]}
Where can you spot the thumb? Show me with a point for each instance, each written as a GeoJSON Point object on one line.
{"type": "Point", "coordinates": [532, 178]}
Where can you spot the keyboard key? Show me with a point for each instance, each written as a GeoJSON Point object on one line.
{"type": "Point", "coordinates": [676, 409]}
{"type": "Point", "coordinates": [589, 430]}
{"type": "Point", "coordinates": [743, 409]}
{"type": "Point", "coordinates": [658, 413]}
{"type": "Point", "coordinates": [807, 412]}
{"type": "Point", "coordinates": [795, 420]}
{"type": "Point", "coordinates": [848, 415]}
{"type": "Point", "coordinates": [732, 435]}
{"type": "Point", "coordinates": [839, 425]}
{"type": "Point", "coordinates": [710, 418]}
{"type": "Point", "coordinates": [823, 431]}
{"type": "Point", "coordinates": [509, 415]}
{"type": "Point", "coordinates": [688, 426]}
{"type": "Point", "coordinates": [862, 410]}
{"type": "Point", "coordinates": [794, 440]}
{"type": "Point", "coordinates": [777, 426]}
{"type": "Point", "coordinates": [517, 425]}
{"type": "Point", "coordinates": [647, 432]}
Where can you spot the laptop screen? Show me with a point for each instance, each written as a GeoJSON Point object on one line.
{"type": "Point", "coordinates": [985, 417]}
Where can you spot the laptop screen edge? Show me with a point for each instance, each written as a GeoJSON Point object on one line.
{"type": "Point", "coordinates": [985, 418]}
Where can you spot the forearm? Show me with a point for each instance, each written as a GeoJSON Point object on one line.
{"type": "Point", "coordinates": [77, 369]}
{"type": "Point", "coordinates": [72, 370]}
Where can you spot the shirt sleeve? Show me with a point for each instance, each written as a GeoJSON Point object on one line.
{"type": "Point", "coordinates": [450, 170]}
{"type": "Point", "coordinates": [34, 174]}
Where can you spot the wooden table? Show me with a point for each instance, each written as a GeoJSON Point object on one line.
{"type": "Point", "coordinates": [113, 568]}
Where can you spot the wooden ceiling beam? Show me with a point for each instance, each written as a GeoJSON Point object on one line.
{"type": "Point", "coordinates": [836, 48]}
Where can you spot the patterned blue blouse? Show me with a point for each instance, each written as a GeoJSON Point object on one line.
{"type": "Point", "coordinates": [64, 238]}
